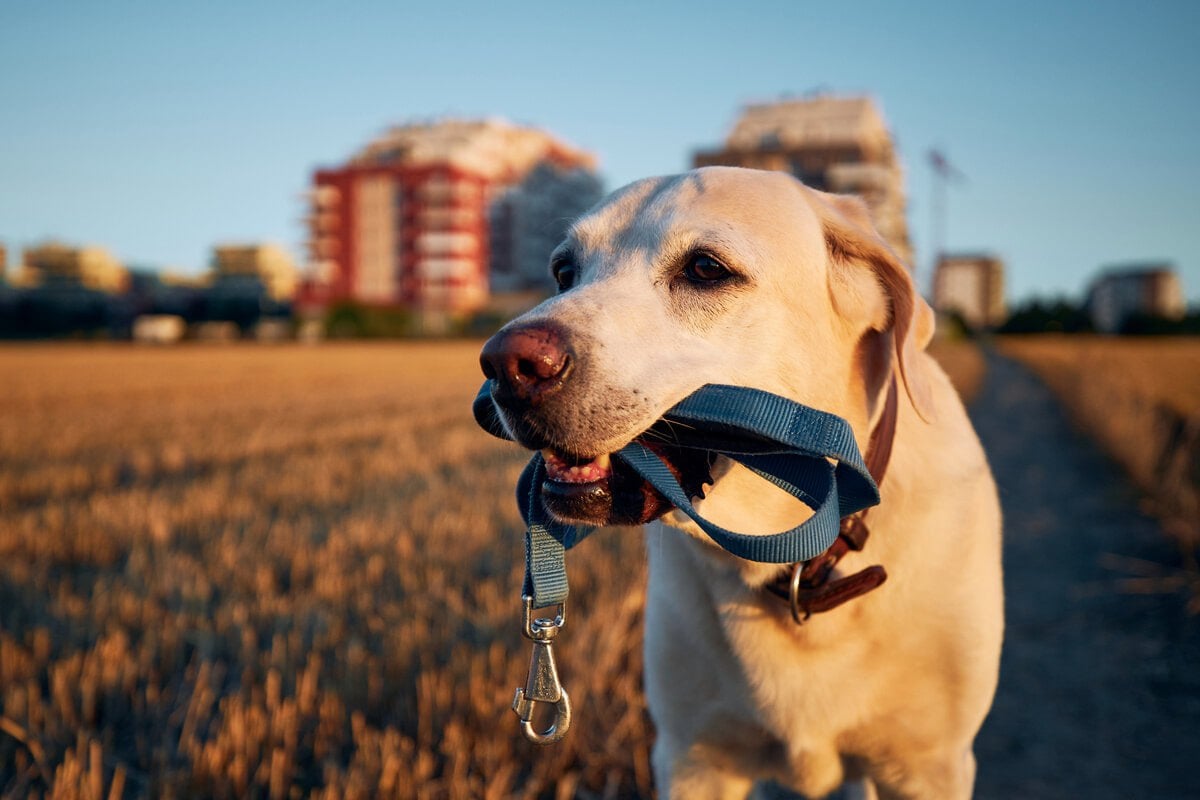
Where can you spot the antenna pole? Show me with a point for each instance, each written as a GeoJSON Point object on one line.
{"type": "Point", "coordinates": [943, 173]}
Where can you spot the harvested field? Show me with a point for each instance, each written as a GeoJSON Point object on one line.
{"type": "Point", "coordinates": [963, 363]}
{"type": "Point", "coordinates": [1140, 399]}
{"type": "Point", "coordinates": [283, 572]}
{"type": "Point", "coordinates": [267, 571]}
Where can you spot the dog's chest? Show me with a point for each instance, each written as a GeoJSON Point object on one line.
{"type": "Point", "coordinates": [805, 680]}
{"type": "Point", "coordinates": [796, 683]}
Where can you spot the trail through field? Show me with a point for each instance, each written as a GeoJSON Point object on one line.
{"type": "Point", "coordinates": [1100, 679]}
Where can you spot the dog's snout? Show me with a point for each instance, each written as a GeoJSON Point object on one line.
{"type": "Point", "coordinates": [527, 362]}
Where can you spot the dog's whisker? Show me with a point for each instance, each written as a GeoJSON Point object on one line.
{"type": "Point", "coordinates": [668, 435]}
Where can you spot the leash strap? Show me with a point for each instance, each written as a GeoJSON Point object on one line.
{"type": "Point", "coordinates": [786, 443]}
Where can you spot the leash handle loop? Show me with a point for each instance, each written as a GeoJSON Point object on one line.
{"type": "Point", "coordinates": [804, 541]}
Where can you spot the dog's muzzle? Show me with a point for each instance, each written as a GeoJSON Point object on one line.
{"type": "Point", "coordinates": [531, 370]}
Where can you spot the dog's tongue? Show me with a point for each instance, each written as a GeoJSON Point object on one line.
{"type": "Point", "coordinates": [561, 470]}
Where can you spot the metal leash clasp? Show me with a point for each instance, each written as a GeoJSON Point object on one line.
{"type": "Point", "coordinates": [542, 685]}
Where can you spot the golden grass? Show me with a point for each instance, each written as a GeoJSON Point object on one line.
{"type": "Point", "coordinates": [963, 363]}
{"type": "Point", "coordinates": [1162, 370]}
{"type": "Point", "coordinates": [240, 570]}
{"type": "Point", "coordinates": [286, 572]}
{"type": "Point", "coordinates": [1140, 398]}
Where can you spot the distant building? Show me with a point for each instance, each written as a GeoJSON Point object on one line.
{"type": "Point", "coordinates": [54, 263]}
{"type": "Point", "coordinates": [1120, 292]}
{"type": "Point", "coordinates": [971, 286]}
{"type": "Point", "coordinates": [159, 328]}
{"type": "Point", "coordinates": [267, 262]}
{"type": "Point", "coordinates": [836, 144]}
{"type": "Point", "coordinates": [431, 216]}
{"type": "Point", "coordinates": [183, 280]}
{"type": "Point", "coordinates": [3, 262]}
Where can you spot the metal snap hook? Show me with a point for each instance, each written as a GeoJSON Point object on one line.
{"type": "Point", "coordinates": [523, 705]}
{"type": "Point", "coordinates": [542, 685]}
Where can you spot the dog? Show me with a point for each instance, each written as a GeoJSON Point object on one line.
{"type": "Point", "coordinates": [746, 277]}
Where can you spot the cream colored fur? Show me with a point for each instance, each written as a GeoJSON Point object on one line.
{"type": "Point", "coordinates": [890, 689]}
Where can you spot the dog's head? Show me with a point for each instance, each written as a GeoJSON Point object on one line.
{"type": "Point", "coordinates": [719, 275]}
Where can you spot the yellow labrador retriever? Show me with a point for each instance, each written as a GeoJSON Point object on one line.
{"type": "Point", "coordinates": [743, 277]}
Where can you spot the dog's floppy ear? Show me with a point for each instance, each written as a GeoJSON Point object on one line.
{"type": "Point", "coordinates": [854, 244]}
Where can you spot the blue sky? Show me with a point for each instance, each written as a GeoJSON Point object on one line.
{"type": "Point", "coordinates": [158, 128]}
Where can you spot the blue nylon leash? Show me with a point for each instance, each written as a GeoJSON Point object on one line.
{"type": "Point", "coordinates": [784, 442]}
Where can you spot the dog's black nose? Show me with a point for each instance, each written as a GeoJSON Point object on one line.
{"type": "Point", "coordinates": [528, 363]}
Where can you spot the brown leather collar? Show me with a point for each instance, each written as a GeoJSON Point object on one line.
{"type": "Point", "coordinates": [806, 585]}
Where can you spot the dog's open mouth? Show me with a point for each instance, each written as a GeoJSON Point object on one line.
{"type": "Point", "coordinates": [561, 468]}
{"type": "Point", "coordinates": [606, 491]}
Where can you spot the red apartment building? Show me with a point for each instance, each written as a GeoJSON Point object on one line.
{"type": "Point", "coordinates": [431, 217]}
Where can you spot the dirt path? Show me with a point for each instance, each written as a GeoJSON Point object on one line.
{"type": "Point", "coordinates": [1100, 687]}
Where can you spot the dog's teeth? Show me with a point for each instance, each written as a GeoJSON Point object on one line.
{"type": "Point", "coordinates": [559, 469]}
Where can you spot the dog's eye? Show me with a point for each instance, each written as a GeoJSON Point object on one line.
{"type": "Point", "coordinates": [564, 273]}
{"type": "Point", "coordinates": [703, 268]}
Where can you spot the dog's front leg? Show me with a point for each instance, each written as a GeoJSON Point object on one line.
{"type": "Point", "coordinates": [950, 775]}
{"type": "Point", "coordinates": [708, 744]}
{"type": "Point", "coordinates": [693, 773]}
